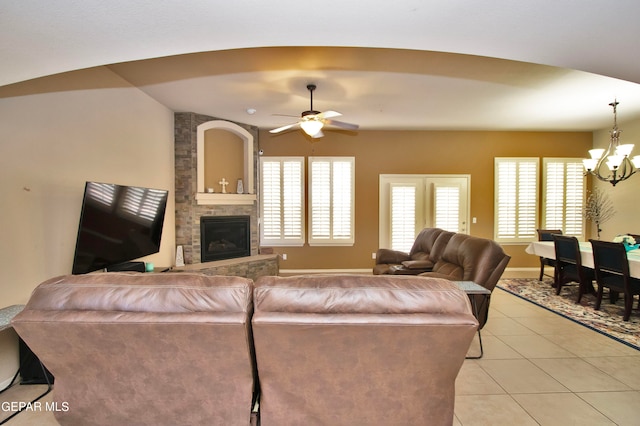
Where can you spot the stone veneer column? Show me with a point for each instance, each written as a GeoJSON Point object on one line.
{"type": "Point", "coordinates": [188, 212]}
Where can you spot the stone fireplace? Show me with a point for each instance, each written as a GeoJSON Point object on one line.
{"type": "Point", "coordinates": [188, 209]}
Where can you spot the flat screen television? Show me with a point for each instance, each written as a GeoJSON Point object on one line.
{"type": "Point", "coordinates": [118, 224]}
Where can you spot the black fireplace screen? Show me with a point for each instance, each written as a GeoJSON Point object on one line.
{"type": "Point", "coordinates": [224, 237]}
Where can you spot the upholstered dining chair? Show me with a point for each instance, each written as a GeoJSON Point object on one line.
{"type": "Point", "coordinates": [547, 235]}
{"type": "Point", "coordinates": [636, 237]}
{"type": "Point", "coordinates": [612, 271]}
{"type": "Point", "coordinates": [569, 265]}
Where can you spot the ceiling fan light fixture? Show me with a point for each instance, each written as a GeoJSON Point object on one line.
{"type": "Point", "coordinates": [311, 127]}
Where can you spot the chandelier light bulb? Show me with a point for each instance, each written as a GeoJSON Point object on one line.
{"type": "Point", "coordinates": [596, 153]}
{"type": "Point", "coordinates": [624, 150]}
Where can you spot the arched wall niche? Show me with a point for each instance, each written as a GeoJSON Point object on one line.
{"type": "Point", "coordinates": [249, 195]}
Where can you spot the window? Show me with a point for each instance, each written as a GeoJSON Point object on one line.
{"type": "Point", "coordinates": [282, 201]}
{"type": "Point", "coordinates": [331, 200]}
{"type": "Point", "coordinates": [516, 199]}
{"type": "Point", "coordinates": [563, 195]}
{"type": "Point", "coordinates": [403, 216]}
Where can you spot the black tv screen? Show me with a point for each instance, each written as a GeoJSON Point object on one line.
{"type": "Point", "coordinates": [118, 224]}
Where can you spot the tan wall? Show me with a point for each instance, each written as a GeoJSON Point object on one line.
{"type": "Point", "coordinates": [419, 152]}
{"type": "Point", "coordinates": [55, 134]}
{"type": "Point", "coordinates": [223, 158]}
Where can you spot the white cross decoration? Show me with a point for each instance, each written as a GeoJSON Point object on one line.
{"type": "Point", "coordinates": [224, 184]}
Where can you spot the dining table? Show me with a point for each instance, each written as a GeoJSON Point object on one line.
{"type": "Point", "coordinates": [547, 249]}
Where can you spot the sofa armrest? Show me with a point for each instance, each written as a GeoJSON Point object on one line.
{"type": "Point", "coordinates": [418, 264]}
{"type": "Point", "coordinates": [391, 256]}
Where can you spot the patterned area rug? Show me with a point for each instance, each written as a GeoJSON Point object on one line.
{"type": "Point", "coordinates": [608, 320]}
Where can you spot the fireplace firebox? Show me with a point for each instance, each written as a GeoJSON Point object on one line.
{"type": "Point", "coordinates": [224, 237]}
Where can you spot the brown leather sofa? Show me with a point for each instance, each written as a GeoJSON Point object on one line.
{"type": "Point", "coordinates": [469, 258]}
{"type": "Point", "coordinates": [145, 349]}
{"type": "Point", "coordinates": [426, 249]}
{"type": "Point", "coordinates": [359, 350]}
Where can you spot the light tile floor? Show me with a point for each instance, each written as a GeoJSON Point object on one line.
{"type": "Point", "coordinates": [542, 369]}
{"type": "Point", "coordinates": [538, 369]}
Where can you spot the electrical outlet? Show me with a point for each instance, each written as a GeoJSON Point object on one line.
{"type": "Point", "coordinates": [284, 256]}
{"type": "Point", "coordinates": [474, 220]}
{"type": "Point", "coordinates": [373, 255]}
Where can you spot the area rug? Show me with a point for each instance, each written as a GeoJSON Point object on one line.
{"type": "Point", "coordinates": [608, 320]}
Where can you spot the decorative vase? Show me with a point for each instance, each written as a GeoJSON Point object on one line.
{"type": "Point", "coordinates": [240, 187]}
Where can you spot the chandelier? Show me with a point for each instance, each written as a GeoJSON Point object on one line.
{"type": "Point", "coordinates": [616, 157]}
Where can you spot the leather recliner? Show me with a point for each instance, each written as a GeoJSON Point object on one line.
{"type": "Point", "coordinates": [426, 249]}
{"type": "Point", "coordinates": [469, 258]}
{"type": "Point", "coordinates": [145, 349]}
{"type": "Point", "coordinates": [359, 350]}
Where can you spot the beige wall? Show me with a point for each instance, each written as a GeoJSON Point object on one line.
{"type": "Point", "coordinates": [223, 157]}
{"type": "Point", "coordinates": [55, 134]}
{"type": "Point", "coordinates": [420, 152]}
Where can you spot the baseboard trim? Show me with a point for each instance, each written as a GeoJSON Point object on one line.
{"type": "Point", "coordinates": [527, 272]}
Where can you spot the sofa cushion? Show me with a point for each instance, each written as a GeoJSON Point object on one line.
{"type": "Point", "coordinates": [135, 292]}
{"type": "Point", "coordinates": [362, 294]}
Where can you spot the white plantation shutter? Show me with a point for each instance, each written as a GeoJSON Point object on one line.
{"type": "Point", "coordinates": [281, 201]}
{"type": "Point", "coordinates": [331, 200]}
{"type": "Point", "coordinates": [403, 216]}
{"type": "Point", "coordinates": [563, 195]}
{"type": "Point", "coordinates": [447, 207]}
{"type": "Point", "coordinates": [271, 199]}
{"type": "Point", "coordinates": [292, 190]}
{"type": "Point", "coordinates": [516, 199]}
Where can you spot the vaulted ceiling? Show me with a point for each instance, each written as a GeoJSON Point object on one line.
{"type": "Point", "coordinates": [409, 64]}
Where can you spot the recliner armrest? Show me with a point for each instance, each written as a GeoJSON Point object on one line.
{"type": "Point", "coordinates": [418, 264]}
{"type": "Point", "coordinates": [391, 256]}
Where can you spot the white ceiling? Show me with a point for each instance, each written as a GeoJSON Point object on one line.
{"type": "Point", "coordinates": [586, 53]}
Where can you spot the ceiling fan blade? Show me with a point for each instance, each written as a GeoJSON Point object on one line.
{"type": "Point", "coordinates": [283, 128]}
{"type": "Point", "coordinates": [342, 124]}
{"type": "Point", "coordinates": [328, 114]}
{"type": "Point", "coordinates": [285, 115]}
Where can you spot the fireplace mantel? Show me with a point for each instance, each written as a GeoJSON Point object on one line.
{"type": "Point", "coordinates": [206, 198]}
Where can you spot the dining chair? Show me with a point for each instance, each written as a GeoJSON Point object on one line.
{"type": "Point", "coordinates": [636, 237]}
{"type": "Point", "coordinates": [569, 265]}
{"type": "Point", "coordinates": [547, 235]}
{"type": "Point", "coordinates": [612, 271]}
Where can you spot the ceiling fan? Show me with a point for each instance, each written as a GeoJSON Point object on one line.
{"type": "Point", "coordinates": [313, 121]}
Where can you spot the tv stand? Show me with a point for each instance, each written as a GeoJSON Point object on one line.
{"type": "Point", "coordinates": [127, 266]}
